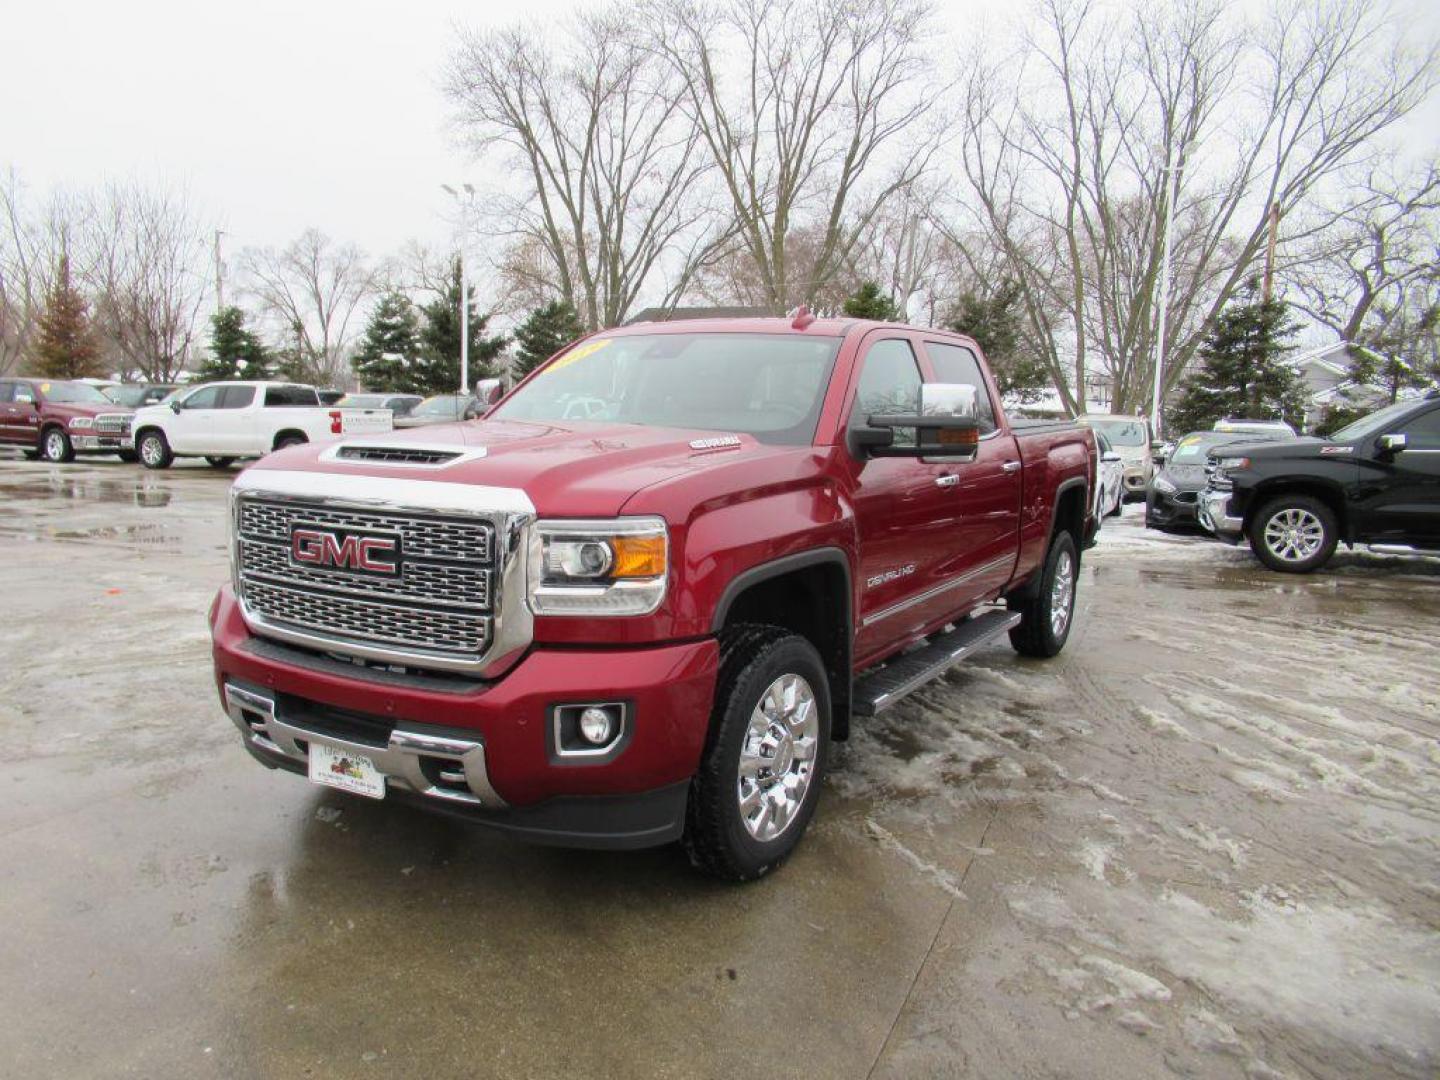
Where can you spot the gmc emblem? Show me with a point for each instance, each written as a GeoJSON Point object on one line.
{"type": "Point", "coordinates": [328, 550]}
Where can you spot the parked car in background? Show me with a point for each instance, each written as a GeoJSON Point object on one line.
{"type": "Point", "coordinates": [56, 420]}
{"type": "Point", "coordinates": [1130, 437]}
{"type": "Point", "coordinates": [442, 409]}
{"type": "Point", "coordinates": [227, 420]}
{"type": "Point", "coordinates": [1173, 500]}
{"type": "Point", "coordinates": [1375, 482]}
{"type": "Point", "coordinates": [138, 395]}
{"type": "Point", "coordinates": [398, 404]}
{"type": "Point", "coordinates": [1110, 489]}
{"type": "Point", "coordinates": [649, 625]}
{"type": "Point", "coordinates": [1278, 428]}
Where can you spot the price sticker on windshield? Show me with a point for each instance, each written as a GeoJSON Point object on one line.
{"type": "Point", "coordinates": [578, 353]}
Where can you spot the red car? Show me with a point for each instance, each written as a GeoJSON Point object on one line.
{"type": "Point", "coordinates": [638, 600]}
{"type": "Point", "coordinates": [55, 420]}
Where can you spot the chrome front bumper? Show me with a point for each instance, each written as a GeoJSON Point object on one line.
{"type": "Point", "coordinates": [1215, 517]}
{"type": "Point", "coordinates": [460, 762]}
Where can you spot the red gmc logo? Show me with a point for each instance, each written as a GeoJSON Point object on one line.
{"type": "Point", "coordinates": [354, 551]}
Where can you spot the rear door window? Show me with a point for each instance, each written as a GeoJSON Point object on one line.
{"type": "Point", "coordinates": [237, 397]}
{"type": "Point", "coordinates": [957, 364]}
{"type": "Point", "coordinates": [291, 397]}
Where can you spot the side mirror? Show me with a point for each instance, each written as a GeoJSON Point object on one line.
{"type": "Point", "coordinates": [1157, 445]}
{"type": "Point", "coordinates": [1158, 459]}
{"type": "Point", "coordinates": [947, 425]}
{"type": "Point", "coordinates": [1111, 457]}
{"type": "Point", "coordinates": [1391, 444]}
{"type": "Point", "coordinates": [489, 391]}
{"type": "Point", "coordinates": [175, 407]}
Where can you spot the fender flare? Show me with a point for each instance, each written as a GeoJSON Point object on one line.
{"type": "Point", "coordinates": [786, 564]}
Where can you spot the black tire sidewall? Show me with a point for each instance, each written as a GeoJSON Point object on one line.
{"type": "Point", "coordinates": [790, 655]}
{"type": "Point", "coordinates": [1063, 542]}
{"type": "Point", "coordinates": [1310, 505]}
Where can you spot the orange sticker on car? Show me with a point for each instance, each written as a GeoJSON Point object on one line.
{"type": "Point", "coordinates": [578, 353]}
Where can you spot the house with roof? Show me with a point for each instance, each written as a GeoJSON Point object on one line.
{"type": "Point", "coordinates": [1325, 375]}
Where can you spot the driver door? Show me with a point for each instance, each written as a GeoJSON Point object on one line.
{"type": "Point", "coordinates": [192, 429]}
{"type": "Point", "coordinates": [1405, 505]}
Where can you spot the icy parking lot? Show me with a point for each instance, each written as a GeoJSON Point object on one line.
{"type": "Point", "coordinates": [1202, 842]}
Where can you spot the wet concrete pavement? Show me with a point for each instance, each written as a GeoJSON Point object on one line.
{"type": "Point", "coordinates": [1201, 842]}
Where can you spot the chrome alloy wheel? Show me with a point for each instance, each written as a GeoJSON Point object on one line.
{"type": "Point", "coordinates": [1062, 594]}
{"type": "Point", "coordinates": [1294, 535]}
{"type": "Point", "coordinates": [150, 450]}
{"type": "Point", "coordinates": [777, 757]}
{"type": "Point", "coordinates": [55, 445]}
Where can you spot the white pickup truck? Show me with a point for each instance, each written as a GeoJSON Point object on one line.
{"type": "Point", "coordinates": [223, 421]}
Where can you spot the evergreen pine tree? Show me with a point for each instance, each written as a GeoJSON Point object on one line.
{"type": "Point", "coordinates": [438, 370]}
{"type": "Point", "coordinates": [545, 332]}
{"type": "Point", "coordinates": [868, 302]}
{"type": "Point", "coordinates": [386, 357]}
{"type": "Point", "coordinates": [1242, 371]}
{"type": "Point", "coordinates": [65, 346]}
{"type": "Point", "coordinates": [994, 322]}
{"type": "Point", "coordinates": [235, 351]}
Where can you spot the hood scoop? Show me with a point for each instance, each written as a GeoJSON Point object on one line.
{"type": "Point", "coordinates": [408, 455]}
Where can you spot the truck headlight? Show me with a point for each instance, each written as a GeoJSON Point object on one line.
{"type": "Point", "coordinates": [81, 423]}
{"type": "Point", "coordinates": [1164, 486]}
{"type": "Point", "coordinates": [1231, 464]}
{"type": "Point", "coordinates": [614, 566]}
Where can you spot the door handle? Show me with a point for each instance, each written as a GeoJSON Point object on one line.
{"type": "Point", "coordinates": [1011, 466]}
{"type": "Point", "coordinates": [947, 481]}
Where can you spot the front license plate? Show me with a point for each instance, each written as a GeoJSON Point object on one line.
{"type": "Point", "coordinates": [333, 767]}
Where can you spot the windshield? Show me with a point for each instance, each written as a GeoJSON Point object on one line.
{"type": "Point", "coordinates": [1191, 449]}
{"type": "Point", "coordinates": [67, 393]}
{"type": "Point", "coordinates": [443, 405]}
{"type": "Point", "coordinates": [129, 396]}
{"type": "Point", "coordinates": [770, 386]}
{"type": "Point", "coordinates": [1375, 422]}
{"type": "Point", "coordinates": [1122, 432]}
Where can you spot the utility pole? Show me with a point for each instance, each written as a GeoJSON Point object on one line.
{"type": "Point", "coordinates": [1270, 252]}
{"type": "Point", "coordinates": [1161, 327]}
{"type": "Point", "coordinates": [219, 274]}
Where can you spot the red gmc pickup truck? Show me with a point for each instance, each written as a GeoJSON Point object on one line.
{"type": "Point", "coordinates": [638, 600]}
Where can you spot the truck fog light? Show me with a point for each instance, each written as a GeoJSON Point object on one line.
{"type": "Point", "coordinates": [596, 726]}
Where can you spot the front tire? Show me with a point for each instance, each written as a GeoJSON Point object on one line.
{"type": "Point", "coordinates": [220, 462]}
{"type": "Point", "coordinates": [1294, 534]}
{"type": "Point", "coordinates": [1048, 612]}
{"type": "Point", "coordinates": [55, 447]}
{"type": "Point", "coordinates": [154, 450]}
{"type": "Point", "coordinates": [764, 761]}
{"type": "Point", "coordinates": [128, 456]}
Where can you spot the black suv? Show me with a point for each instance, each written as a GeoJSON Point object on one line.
{"type": "Point", "coordinates": [1375, 482]}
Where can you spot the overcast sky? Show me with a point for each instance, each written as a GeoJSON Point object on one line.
{"type": "Point", "coordinates": [276, 115]}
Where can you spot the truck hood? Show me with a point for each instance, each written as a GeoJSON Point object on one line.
{"type": "Point", "coordinates": [70, 411]}
{"type": "Point", "coordinates": [570, 469]}
{"type": "Point", "coordinates": [1302, 449]}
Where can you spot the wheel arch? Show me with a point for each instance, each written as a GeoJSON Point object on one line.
{"type": "Point", "coordinates": [1068, 513]}
{"type": "Point", "coordinates": [1328, 493]}
{"type": "Point", "coordinates": [285, 433]}
{"type": "Point", "coordinates": [810, 594]}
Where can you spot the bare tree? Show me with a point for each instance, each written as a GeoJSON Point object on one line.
{"type": "Point", "coordinates": [1355, 271]}
{"type": "Point", "coordinates": [1067, 162]}
{"type": "Point", "coordinates": [310, 292]}
{"type": "Point", "coordinates": [148, 264]}
{"type": "Point", "coordinates": [613, 200]}
{"type": "Point", "coordinates": [814, 113]}
{"type": "Point", "coordinates": [33, 238]}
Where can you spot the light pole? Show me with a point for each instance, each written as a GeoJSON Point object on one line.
{"type": "Point", "coordinates": [1155, 418]}
{"type": "Point", "coordinates": [464, 202]}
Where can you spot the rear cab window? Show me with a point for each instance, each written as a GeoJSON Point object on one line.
{"type": "Point", "coordinates": [291, 397]}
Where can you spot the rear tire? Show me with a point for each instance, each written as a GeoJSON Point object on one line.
{"type": "Point", "coordinates": [154, 450]}
{"type": "Point", "coordinates": [765, 756]}
{"type": "Point", "coordinates": [129, 456]}
{"type": "Point", "coordinates": [31, 455]}
{"type": "Point", "coordinates": [220, 462]}
{"type": "Point", "coordinates": [1294, 534]}
{"type": "Point", "coordinates": [1048, 612]}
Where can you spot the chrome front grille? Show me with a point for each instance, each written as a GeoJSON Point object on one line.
{"type": "Point", "coordinates": [461, 633]}
{"type": "Point", "coordinates": [113, 424]}
{"type": "Point", "coordinates": [420, 536]}
{"type": "Point", "coordinates": [439, 609]}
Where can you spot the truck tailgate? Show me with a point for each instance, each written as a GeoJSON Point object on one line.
{"type": "Point", "coordinates": [359, 421]}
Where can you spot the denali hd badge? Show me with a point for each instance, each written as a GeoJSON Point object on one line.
{"type": "Point", "coordinates": [333, 549]}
